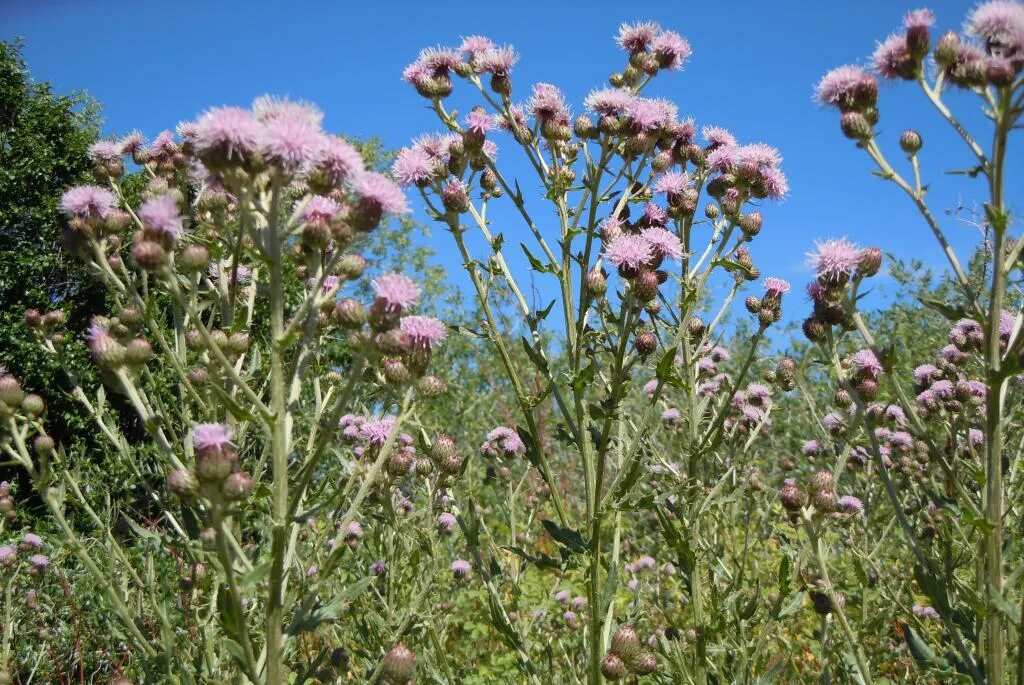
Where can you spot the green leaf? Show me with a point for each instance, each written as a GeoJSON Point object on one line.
{"type": "Point", "coordinates": [794, 605]}
{"type": "Point", "coordinates": [1004, 607]}
{"type": "Point", "coordinates": [542, 561]}
{"type": "Point", "coordinates": [567, 537]}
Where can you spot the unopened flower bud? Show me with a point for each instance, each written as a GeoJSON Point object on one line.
{"type": "Point", "coordinates": [237, 486]}
{"type": "Point", "coordinates": [431, 386]}
{"type": "Point", "coordinates": [792, 497]}
{"type": "Point", "coordinates": [753, 304]}
{"type": "Point", "coordinates": [11, 393]}
{"type": "Point", "coordinates": [644, 663]}
{"type": "Point", "coordinates": [43, 445]}
{"type": "Point", "coordinates": [645, 343]}
{"type": "Point", "coordinates": [910, 141]}
{"type": "Point", "coordinates": [399, 664]}
{"type": "Point", "coordinates": [597, 284]}
{"type": "Point", "coordinates": [444, 446]}
{"type": "Point", "coordinates": [815, 329]}
{"type": "Point", "coordinates": [182, 483]}
{"type": "Point", "coordinates": [613, 668]}
{"type": "Point", "coordinates": [695, 327]}
{"type": "Point", "coordinates": [625, 642]}
{"type": "Point", "coordinates": [194, 259]}
{"type": "Point", "coordinates": [352, 266]}
{"type": "Point", "coordinates": [138, 352]}
{"type": "Point", "coordinates": [33, 405]}
{"type": "Point", "coordinates": [645, 286]}
{"type": "Point", "coordinates": [751, 223]}
{"type": "Point", "coordinates": [451, 464]}
{"type": "Point", "coordinates": [455, 197]}
{"type": "Point", "coordinates": [584, 128]}
{"type": "Point", "coordinates": [395, 371]}
{"type": "Point", "coordinates": [237, 343]}
{"type": "Point", "coordinates": [855, 126]}
{"type": "Point", "coordinates": [149, 255]}
{"type": "Point", "coordinates": [947, 48]}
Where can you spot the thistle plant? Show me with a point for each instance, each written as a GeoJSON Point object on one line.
{"type": "Point", "coordinates": [648, 215]}
{"type": "Point", "coordinates": [273, 410]}
{"type": "Point", "coordinates": [940, 442]}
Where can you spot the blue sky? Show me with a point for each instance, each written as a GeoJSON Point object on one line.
{"type": "Point", "coordinates": [152, 64]}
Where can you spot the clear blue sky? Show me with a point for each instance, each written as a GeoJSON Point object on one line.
{"type": "Point", "coordinates": [152, 64]}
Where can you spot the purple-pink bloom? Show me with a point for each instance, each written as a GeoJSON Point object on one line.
{"type": "Point", "coordinates": [376, 431]}
{"type": "Point", "coordinates": [423, 331]}
{"type": "Point", "coordinates": [999, 23]}
{"type": "Point", "coordinates": [716, 136]}
{"type": "Point", "coordinates": [835, 260]}
{"type": "Point", "coordinates": [842, 86]}
{"type": "Point", "coordinates": [918, 19]}
{"type": "Point", "coordinates": [850, 504]}
{"type": "Point", "coordinates": [290, 141]}
{"type": "Point", "coordinates": [131, 143]}
{"type": "Point", "coordinates": [663, 243]}
{"type": "Point", "coordinates": [338, 160]}
{"type": "Point", "coordinates": [865, 362]}
{"type": "Point", "coordinates": [497, 61]}
{"type": "Point", "coordinates": [649, 114]}
{"type": "Point", "coordinates": [105, 151]}
{"type": "Point", "coordinates": [381, 191]}
{"type": "Point", "coordinates": [776, 287]}
{"type": "Point", "coordinates": [478, 121]}
{"type": "Point", "coordinates": [629, 251]}
{"type": "Point", "coordinates": [759, 155]}
{"type": "Point", "coordinates": [446, 522]}
{"type": "Point", "coordinates": [160, 215]}
{"type": "Point", "coordinates": [636, 37]}
{"type": "Point", "coordinates": [32, 541]}
{"type": "Point", "coordinates": [397, 291]}
{"type": "Point", "coordinates": [548, 104]}
{"type": "Point", "coordinates": [671, 414]}
{"type": "Point", "coordinates": [268, 108]}
{"type": "Point", "coordinates": [671, 49]}
{"type": "Point", "coordinates": [723, 158]}
{"type": "Point", "coordinates": [320, 208]}
{"type": "Point", "coordinates": [413, 166]}
{"type": "Point", "coordinates": [230, 133]}
{"type": "Point", "coordinates": [460, 568]}
{"type": "Point", "coordinates": [87, 201]}
{"type": "Point", "coordinates": [891, 57]}
{"type": "Point", "coordinates": [471, 46]}
{"type": "Point", "coordinates": [672, 183]}
{"type": "Point", "coordinates": [774, 183]}
{"type": "Point", "coordinates": [608, 101]}
{"type": "Point", "coordinates": [211, 437]}
{"type": "Point", "coordinates": [7, 555]}
{"type": "Point", "coordinates": [507, 440]}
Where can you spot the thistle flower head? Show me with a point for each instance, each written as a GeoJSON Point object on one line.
{"type": "Point", "coordinates": [471, 46]}
{"type": "Point", "coordinates": [290, 140]}
{"type": "Point", "coordinates": [460, 568]}
{"type": "Point", "coordinates": [716, 136]}
{"type": "Point", "coordinates": [105, 151]}
{"type": "Point", "coordinates": [7, 555]}
{"type": "Point", "coordinates": [891, 58]}
{"type": "Point", "coordinates": [866, 363]}
{"type": "Point", "coordinates": [629, 251]}
{"type": "Point", "coordinates": [376, 431]}
{"type": "Point", "coordinates": [320, 208]}
{"type": "Point", "coordinates": [922, 18]}
{"type": "Point", "coordinates": [774, 183]}
{"type": "Point", "coordinates": [478, 121]}
{"type": "Point", "coordinates": [267, 108]}
{"type": "Point", "coordinates": [608, 101]}
{"type": "Point", "coordinates": [849, 504]}
{"type": "Point", "coordinates": [776, 287]}
{"type": "Point", "coordinates": [496, 61]}
{"type": "Point", "coordinates": [381, 191]}
{"type": "Point", "coordinates": [503, 440]}
{"type": "Point", "coordinates": [32, 541]}
{"type": "Point", "coordinates": [673, 183]}
{"type": "Point", "coordinates": [338, 160]}
{"type": "Point", "coordinates": [662, 242]}
{"type": "Point", "coordinates": [649, 114]}
{"type": "Point", "coordinates": [131, 143]}
{"type": "Point", "coordinates": [397, 291]}
{"type": "Point", "coordinates": [637, 37]}
{"type": "Point", "coordinates": [759, 155]}
{"type": "Point", "coordinates": [843, 86]}
{"type": "Point", "coordinates": [423, 331]}
{"type": "Point", "coordinates": [547, 104]}
{"type": "Point", "coordinates": [87, 201]}
{"type": "Point", "coordinates": [723, 158]}
{"type": "Point", "coordinates": [671, 49]}
{"type": "Point", "coordinates": [998, 23]}
{"type": "Point", "coordinates": [413, 166]}
{"type": "Point", "coordinates": [211, 437]}
{"type": "Point", "coordinates": [447, 522]}
{"type": "Point", "coordinates": [227, 134]}
{"type": "Point", "coordinates": [835, 260]}
{"type": "Point", "coordinates": [160, 215]}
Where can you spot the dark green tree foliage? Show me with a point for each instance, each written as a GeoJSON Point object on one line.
{"type": "Point", "coordinates": [43, 142]}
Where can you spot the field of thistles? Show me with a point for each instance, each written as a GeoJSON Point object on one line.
{"type": "Point", "coordinates": [261, 440]}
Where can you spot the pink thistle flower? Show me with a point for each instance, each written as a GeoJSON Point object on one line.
{"type": "Point", "coordinates": [396, 291]}
{"type": "Point", "coordinates": [490, 150]}
{"type": "Point", "coordinates": [320, 208]}
{"type": "Point", "coordinates": [87, 201]}
{"type": "Point", "coordinates": [497, 61]}
{"type": "Point", "coordinates": [290, 141]}
{"type": "Point", "coordinates": [186, 129]}
{"type": "Point", "coordinates": [976, 437]}
{"type": "Point", "coordinates": [413, 166]}
{"type": "Point", "coordinates": [31, 541]}
{"type": "Point", "coordinates": [436, 147]}
{"type": "Point", "coordinates": [105, 151]}
{"type": "Point", "coordinates": [849, 504]}
{"type": "Point", "coordinates": [608, 101]}
{"type": "Point", "coordinates": [919, 19]}
{"type": "Point", "coordinates": [663, 243]}
{"type": "Point", "coordinates": [925, 613]}
{"type": "Point", "coordinates": [163, 146]}
{"type": "Point", "coordinates": [514, 119]}
{"type": "Point", "coordinates": [776, 287]}
{"type": "Point", "coordinates": [835, 260]}
{"type": "Point", "coordinates": [211, 437]}
{"type": "Point", "coordinates": [7, 555]}
{"type": "Point", "coordinates": [774, 183]}
{"type": "Point", "coordinates": [446, 522]}
{"type": "Point", "coordinates": [636, 37]}
{"type": "Point", "coordinates": [998, 23]}
{"type": "Point", "coordinates": [833, 422]}
{"type": "Point", "coordinates": [655, 215]}
{"type": "Point", "coordinates": [40, 562]}
{"type": "Point", "coordinates": [268, 108]}
{"type": "Point", "coordinates": [471, 46]}
{"type": "Point", "coordinates": [337, 159]}
{"type": "Point", "coordinates": [437, 61]}
{"type": "Point", "coordinates": [759, 155]}
{"type": "Point", "coordinates": [671, 414]}
{"type": "Point", "coordinates": [866, 363]}
{"type": "Point", "coordinates": [811, 448]}
{"type": "Point", "coordinates": [891, 59]}
{"type": "Point", "coordinates": [671, 49]}
{"type": "Point", "coordinates": [707, 365]}
{"type": "Point", "coordinates": [717, 136]}
{"type": "Point", "coordinates": [815, 291]}
{"type": "Point", "coordinates": [1007, 321]}
{"type": "Point", "coordinates": [381, 191]}
{"type": "Point", "coordinates": [131, 143]}
{"type": "Point", "coordinates": [423, 331]}
{"type": "Point", "coordinates": [759, 392]}
{"type": "Point", "coordinates": [460, 568]}
{"type": "Point", "coordinates": [943, 389]}
{"type": "Point", "coordinates": [548, 104]}
{"type": "Point", "coordinates": [673, 183]}
{"type": "Point", "coordinates": [376, 432]}
{"type": "Point", "coordinates": [227, 133]}
{"type": "Point", "coordinates": [842, 86]}
{"type": "Point", "coordinates": [478, 121]}
{"type": "Point", "coordinates": [650, 387]}
{"type": "Point", "coordinates": [505, 439]}
{"type": "Point", "coordinates": [160, 215]}
{"type": "Point", "coordinates": [629, 251]}
{"type": "Point", "coordinates": [649, 114]}
{"type": "Point", "coordinates": [723, 158]}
